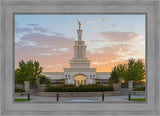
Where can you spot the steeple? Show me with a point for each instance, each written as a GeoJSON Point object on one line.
{"type": "Point", "coordinates": [79, 47]}
{"type": "Point", "coordinates": [79, 32]}
{"type": "Point", "coordinates": [79, 71]}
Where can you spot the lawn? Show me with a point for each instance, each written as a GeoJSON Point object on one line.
{"type": "Point", "coordinates": [22, 99]}
{"type": "Point", "coordinates": [137, 99]}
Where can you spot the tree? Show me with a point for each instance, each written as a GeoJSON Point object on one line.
{"type": "Point", "coordinates": [121, 70]}
{"type": "Point", "coordinates": [118, 72]}
{"type": "Point", "coordinates": [28, 71]}
{"type": "Point", "coordinates": [44, 80]}
{"type": "Point", "coordinates": [136, 70]}
{"type": "Point", "coordinates": [18, 77]}
{"type": "Point", "coordinates": [114, 75]}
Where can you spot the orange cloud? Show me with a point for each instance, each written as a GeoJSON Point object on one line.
{"type": "Point", "coordinates": [119, 36]}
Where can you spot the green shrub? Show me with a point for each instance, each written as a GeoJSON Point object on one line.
{"type": "Point", "coordinates": [139, 89]}
{"type": "Point", "coordinates": [81, 88]}
{"type": "Point", "coordinates": [19, 90]}
{"type": "Point", "coordinates": [44, 80]}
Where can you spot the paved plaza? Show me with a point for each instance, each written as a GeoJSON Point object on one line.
{"type": "Point", "coordinates": [41, 99]}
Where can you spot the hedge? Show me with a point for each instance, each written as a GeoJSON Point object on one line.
{"type": "Point", "coordinates": [19, 90]}
{"type": "Point", "coordinates": [81, 88]}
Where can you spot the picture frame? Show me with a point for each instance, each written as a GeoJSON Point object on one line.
{"type": "Point", "coordinates": [10, 7]}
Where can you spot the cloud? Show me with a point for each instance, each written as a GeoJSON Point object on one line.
{"type": "Point", "coordinates": [99, 40]}
{"type": "Point", "coordinates": [60, 50]}
{"type": "Point", "coordinates": [121, 25]}
{"type": "Point", "coordinates": [91, 22]}
{"type": "Point", "coordinates": [46, 40]}
{"type": "Point", "coordinates": [33, 25]}
{"type": "Point", "coordinates": [102, 19]}
{"type": "Point", "coordinates": [109, 53]}
{"type": "Point", "coordinates": [142, 42]}
{"type": "Point", "coordinates": [42, 50]}
{"type": "Point", "coordinates": [133, 53]}
{"type": "Point", "coordinates": [31, 29]}
{"type": "Point", "coordinates": [40, 29]}
{"type": "Point", "coordinates": [93, 26]}
{"type": "Point", "coordinates": [116, 36]}
{"type": "Point", "coordinates": [19, 30]}
{"type": "Point", "coordinates": [57, 34]}
{"type": "Point", "coordinates": [111, 57]}
{"type": "Point", "coordinates": [118, 48]}
{"type": "Point", "coordinates": [114, 25]}
{"type": "Point", "coordinates": [45, 54]}
{"type": "Point", "coordinates": [95, 23]}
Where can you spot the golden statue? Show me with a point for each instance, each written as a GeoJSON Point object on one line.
{"type": "Point", "coordinates": [79, 25]}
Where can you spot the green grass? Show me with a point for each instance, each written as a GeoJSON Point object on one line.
{"type": "Point", "coordinates": [137, 99]}
{"type": "Point", "coordinates": [22, 99]}
{"type": "Point", "coordinates": [139, 89]}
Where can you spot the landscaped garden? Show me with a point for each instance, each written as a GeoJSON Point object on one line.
{"type": "Point", "coordinates": [80, 88]}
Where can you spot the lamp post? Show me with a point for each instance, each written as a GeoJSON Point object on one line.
{"type": "Point", "coordinates": [103, 96]}
{"type": "Point", "coordinates": [28, 96]}
{"type": "Point", "coordinates": [57, 96]}
{"type": "Point", "coordinates": [129, 96]}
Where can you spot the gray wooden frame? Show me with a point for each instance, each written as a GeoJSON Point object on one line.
{"type": "Point", "coordinates": [7, 10]}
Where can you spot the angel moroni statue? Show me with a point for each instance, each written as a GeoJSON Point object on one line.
{"type": "Point", "coordinates": [79, 25]}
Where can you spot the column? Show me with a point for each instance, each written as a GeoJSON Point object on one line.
{"type": "Point", "coordinates": [120, 82]}
{"type": "Point", "coordinates": [75, 52]}
{"type": "Point", "coordinates": [37, 82]}
{"type": "Point", "coordinates": [26, 86]}
{"type": "Point", "coordinates": [130, 85]}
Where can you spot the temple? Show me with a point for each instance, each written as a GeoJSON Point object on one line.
{"type": "Point", "coordinates": [79, 71]}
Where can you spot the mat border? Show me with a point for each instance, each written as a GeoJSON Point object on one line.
{"type": "Point", "coordinates": [6, 45]}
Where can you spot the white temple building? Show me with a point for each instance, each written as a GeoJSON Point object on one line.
{"type": "Point", "coordinates": [79, 71]}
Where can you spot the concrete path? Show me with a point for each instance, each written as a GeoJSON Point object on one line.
{"type": "Point", "coordinates": [40, 99]}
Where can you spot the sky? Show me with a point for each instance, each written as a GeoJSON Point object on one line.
{"type": "Point", "coordinates": [111, 39]}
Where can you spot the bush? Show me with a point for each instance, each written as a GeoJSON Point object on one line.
{"type": "Point", "coordinates": [81, 88]}
{"type": "Point", "coordinates": [44, 80]}
{"type": "Point", "coordinates": [139, 89]}
{"type": "Point", "coordinates": [19, 90]}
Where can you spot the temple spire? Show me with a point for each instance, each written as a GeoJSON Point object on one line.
{"type": "Point", "coordinates": [79, 32]}
{"type": "Point", "coordinates": [79, 47]}
{"type": "Point", "coordinates": [79, 23]}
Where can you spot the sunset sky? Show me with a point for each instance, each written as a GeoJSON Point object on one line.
{"type": "Point", "coordinates": [49, 39]}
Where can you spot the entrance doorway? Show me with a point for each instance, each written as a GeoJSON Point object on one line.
{"type": "Point", "coordinates": [80, 80]}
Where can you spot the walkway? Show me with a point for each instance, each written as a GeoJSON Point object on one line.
{"type": "Point", "coordinates": [122, 98]}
